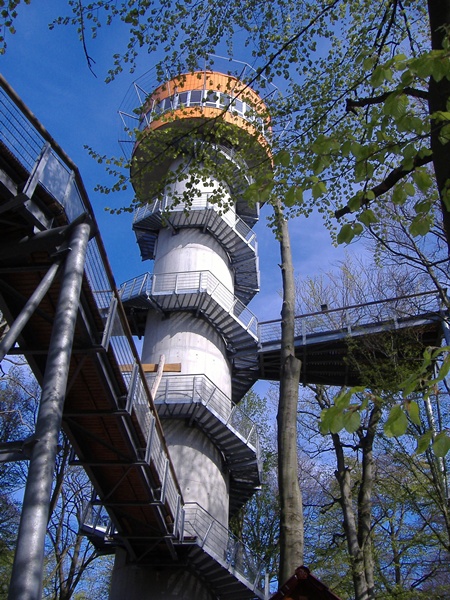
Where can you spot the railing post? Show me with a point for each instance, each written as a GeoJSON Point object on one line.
{"type": "Point", "coordinates": [181, 531]}
{"type": "Point", "coordinates": [151, 431]}
{"type": "Point", "coordinates": [177, 516]}
{"type": "Point", "coordinates": [37, 171]}
{"type": "Point", "coordinates": [206, 534]}
{"type": "Point", "coordinates": [107, 333]}
{"type": "Point", "coordinates": [164, 481]}
{"type": "Point", "coordinates": [231, 414]}
{"type": "Point", "coordinates": [132, 388]}
{"type": "Point", "coordinates": [250, 433]}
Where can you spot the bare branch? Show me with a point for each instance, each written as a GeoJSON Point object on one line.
{"type": "Point", "coordinates": [350, 104]}
{"type": "Point", "coordinates": [388, 183]}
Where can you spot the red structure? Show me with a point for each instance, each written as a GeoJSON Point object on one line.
{"type": "Point", "coordinates": [304, 586]}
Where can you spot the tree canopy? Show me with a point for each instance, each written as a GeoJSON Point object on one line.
{"type": "Point", "coordinates": [365, 91]}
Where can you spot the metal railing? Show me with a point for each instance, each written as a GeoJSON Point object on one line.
{"type": "Point", "coordinates": [25, 138]}
{"type": "Point", "coordinates": [199, 527]}
{"type": "Point", "coordinates": [190, 389]}
{"type": "Point", "coordinates": [195, 282]}
{"type": "Point", "coordinates": [95, 520]}
{"type": "Point", "coordinates": [223, 546]}
{"type": "Point", "coordinates": [350, 318]}
{"type": "Point", "coordinates": [174, 203]}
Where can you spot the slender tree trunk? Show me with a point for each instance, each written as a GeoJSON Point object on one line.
{"type": "Point", "coordinates": [355, 552]}
{"type": "Point", "coordinates": [358, 528]}
{"type": "Point", "coordinates": [365, 498]}
{"type": "Point", "coordinates": [291, 508]}
{"type": "Point", "coordinates": [439, 96]}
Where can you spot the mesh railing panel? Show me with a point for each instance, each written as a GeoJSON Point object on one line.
{"type": "Point", "coordinates": [351, 317]}
{"type": "Point", "coordinates": [225, 547]}
{"type": "Point", "coordinates": [199, 202]}
{"type": "Point", "coordinates": [199, 388]}
{"type": "Point", "coordinates": [192, 282]}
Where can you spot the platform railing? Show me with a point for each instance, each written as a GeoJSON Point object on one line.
{"type": "Point", "coordinates": [191, 389]}
{"type": "Point", "coordinates": [26, 138]}
{"type": "Point", "coordinates": [349, 318]}
{"type": "Point", "coordinates": [224, 547]}
{"type": "Point", "coordinates": [199, 527]}
{"type": "Point", "coordinates": [152, 286]}
{"type": "Point", "coordinates": [174, 203]}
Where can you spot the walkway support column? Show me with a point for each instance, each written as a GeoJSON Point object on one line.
{"type": "Point", "coordinates": [27, 574]}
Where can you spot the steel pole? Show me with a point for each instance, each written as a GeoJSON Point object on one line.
{"type": "Point", "coordinates": [27, 572]}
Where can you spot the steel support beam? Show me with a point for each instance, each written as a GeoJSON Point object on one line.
{"type": "Point", "coordinates": [27, 573]}
{"type": "Point", "coordinates": [28, 310]}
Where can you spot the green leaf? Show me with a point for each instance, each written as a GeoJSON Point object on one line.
{"type": "Point", "coordinates": [367, 217]}
{"type": "Point", "coordinates": [289, 198]}
{"type": "Point", "coordinates": [346, 234]}
{"type": "Point", "coordinates": [377, 77]}
{"type": "Point", "coordinates": [318, 189]}
{"type": "Point", "coordinates": [414, 413]}
{"type": "Point", "coordinates": [441, 444]}
{"type": "Point", "coordinates": [346, 148]}
{"type": "Point", "coordinates": [343, 399]}
{"type": "Point", "coordinates": [423, 207]}
{"type": "Point", "coordinates": [357, 229]}
{"type": "Point", "coordinates": [422, 179]}
{"type": "Point", "coordinates": [423, 442]}
{"type": "Point", "coordinates": [264, 191]}
{"type": "Point", "coordinates": [299, 195]}
{"type": "Point", "coordinates": [444, 134]}
{"type": "Point", "coordinates": [395, 105]}
{"type": "Point", "coordinates": [352, 421]}
{"type": "Point", "coordinates": [398, 195]}
{"type": "Point", "coordinates": [324, 422]}
{"type": "Point", "coordinates": [320, 163]}
{"type": "Point", "coordinates": [355, 201]}
{"type": "Point", "coordinates": [410, 385]}
{"type": "Point", "coordinates": [443, 370]}
{"type": "Point", "coordinates": [420, 225]}
{"type": "Point", "coordinates": [356, 149]}
{"type": "Point", "coordinates": [369, 63]}
{"type": "Point", "coordinates": [397, 422]}
{"type": "Point", "coordinates": [283, 158]}
{"type": "Point", "coordinates": [409, 188]}
{"type": "Point", "coordinates": [337, 422]}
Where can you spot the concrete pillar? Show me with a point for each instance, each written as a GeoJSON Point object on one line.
{"type": "Point", "coordinates": [165, 582]}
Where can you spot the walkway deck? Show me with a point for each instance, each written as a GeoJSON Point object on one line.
{"type": "Point", "coordinates": [332, 343]}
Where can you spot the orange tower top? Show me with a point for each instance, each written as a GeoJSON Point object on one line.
{"type": "Point", "coordinates": [195, 104]}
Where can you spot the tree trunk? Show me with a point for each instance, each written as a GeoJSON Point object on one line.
{"type": "Point", "coordinates": [439, 96]}
{"type": "Point", "coordinates": [358, 529]}
{"type": "Point", "coordinates": [365, 498]}
{"type": "Point", "coordinates": [350, 528]}
{"type": "Point", "coordinates": [291, 509]}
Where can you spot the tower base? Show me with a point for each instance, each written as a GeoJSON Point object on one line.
{"type": "Point", "coordinates": [145, 582]}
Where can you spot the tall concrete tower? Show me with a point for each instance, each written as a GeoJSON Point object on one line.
{"type": "Point", "coordinates": [202, 134]}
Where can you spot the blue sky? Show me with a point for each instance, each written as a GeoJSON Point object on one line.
{"type": "Point", "coordinates": [49, 72]}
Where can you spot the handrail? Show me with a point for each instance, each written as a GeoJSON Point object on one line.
{"type": "Point", "coordinates": [352, 316]}
{"type": "Point", "coordinates": [199, 388]}
{"type": "Point", "coordinates": [154, 285]}
{"type": "Point", "coordinates": [224, 546]}
{"type": "Point", "coordinates": [174, 203]}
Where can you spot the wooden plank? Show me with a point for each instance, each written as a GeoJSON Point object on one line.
{"type": "Point", "coordinates": [153, 368]}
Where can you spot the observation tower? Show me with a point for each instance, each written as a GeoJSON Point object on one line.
{"type": "Point", "coordinates": [202, 138]}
